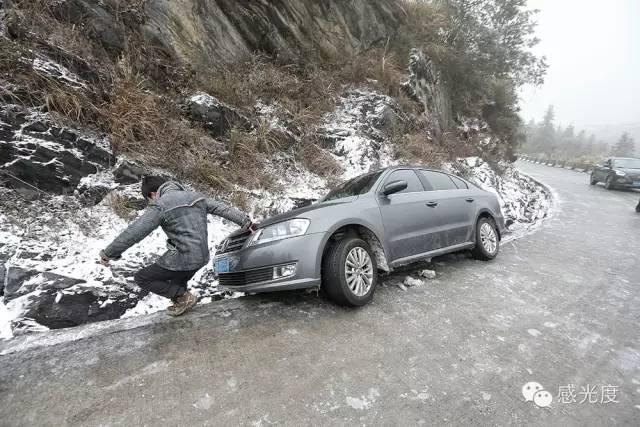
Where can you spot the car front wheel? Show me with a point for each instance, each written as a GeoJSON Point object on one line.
{"type": "Point", "coordinates": [487, 241]}
{"type": "Point", "coordinates": [608, 183]}
{"type": "Point", "coordinates": [350, 272]}
{"type": "Point", "coordinates": [593, 180]}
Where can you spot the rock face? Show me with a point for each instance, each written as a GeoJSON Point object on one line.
{"type": "Point", "coordinates": [355, 131]}
{"type": "Point", "coordinates": [36, 153]}
{"type": "Point", "coordinates": [207, 32]}
{"type": "Point", "coordinates": [426, 86]}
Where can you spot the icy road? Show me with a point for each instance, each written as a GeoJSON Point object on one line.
{"type": "Point", "coordinates": [560, 307]}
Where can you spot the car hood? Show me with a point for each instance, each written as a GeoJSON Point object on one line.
{"type": "Point", "coordinates": [303, 211]}
{"type": "Point", "coordinates": [629, 171]}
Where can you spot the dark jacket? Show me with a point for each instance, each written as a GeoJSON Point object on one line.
{"type": "Point", "coordinates": [183, 217]}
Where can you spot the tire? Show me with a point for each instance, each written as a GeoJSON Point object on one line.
{"type": "Point", "coordinates": [486, 248]}
{"type": "Point", "coordinates": [338, 264]}
{"type": "Point", "coordinates": [638, 208]}
{"type": "Point", "coordinates": [593, 180]}
{"type": "Point", "coordinates": [608, 184]}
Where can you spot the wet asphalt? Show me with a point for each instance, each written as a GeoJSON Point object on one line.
{"type": "Point", "coordinates": [559, 307]}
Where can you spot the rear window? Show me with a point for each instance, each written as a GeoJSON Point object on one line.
{"type": "Point", "coordinates": [459, 183]}
{"type": "Point", "coordinates": [438, 180]}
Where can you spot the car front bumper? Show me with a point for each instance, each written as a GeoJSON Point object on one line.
{"type": "Point", "coordinates": [625, 182]}
{"type": "Point", "coordinates": [251, 269]}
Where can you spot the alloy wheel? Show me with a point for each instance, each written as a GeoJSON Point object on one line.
{"type": "Point", "coordinates": [358, 271]}
{"type": "Point", "coordinates": [488, 238]}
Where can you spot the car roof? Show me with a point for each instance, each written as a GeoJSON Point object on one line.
{"type": "Point", "coordinates": [391, 168]}
{"type": "Point", "coordinates": [624, 158]}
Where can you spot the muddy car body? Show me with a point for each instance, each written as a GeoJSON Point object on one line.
{"type": "Point", "coordinates": [376, 221]}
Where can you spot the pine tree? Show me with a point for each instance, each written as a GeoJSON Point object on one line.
{"type": "Point", "coordinates": [625, 147]}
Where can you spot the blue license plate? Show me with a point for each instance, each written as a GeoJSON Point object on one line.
{"type": "Point", "coordinates": [636, 183]}
{"type": "Point", "coordinates": [222, 265]}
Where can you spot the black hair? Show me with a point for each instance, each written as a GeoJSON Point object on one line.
{"type": "Point", "coordinates": [150, 184]}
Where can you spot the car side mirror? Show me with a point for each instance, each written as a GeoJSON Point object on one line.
{"type": "Point", "coordinates": [394, 187]}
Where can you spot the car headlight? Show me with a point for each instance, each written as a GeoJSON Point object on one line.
{"type": "Point", "coordinates": [620, 173]}
{"type": "Point", "coordinates": [281, 230]}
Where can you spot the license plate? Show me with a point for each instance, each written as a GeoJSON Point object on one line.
{"type": "Point", "coordinates": [636, 183]}
{"type": "Point", "coordinates": [222, 265]}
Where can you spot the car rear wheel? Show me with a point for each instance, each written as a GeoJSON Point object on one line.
{"type": "Point", "coordinates": [593, 180]}
{"type": "Point", "coordinates": [487, 241]}
{"type": "Point", "coordinates": [608, 183]}
{"type": "Point", "coordinates": [350, 272]}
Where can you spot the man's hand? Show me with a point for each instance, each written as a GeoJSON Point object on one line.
{"type": "Point", "coordinates": [104, 260]}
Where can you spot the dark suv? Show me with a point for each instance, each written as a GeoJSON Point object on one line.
{"type": "Point", "coordinates": [617, 172]}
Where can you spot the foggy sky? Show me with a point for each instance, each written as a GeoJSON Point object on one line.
{"type": "Point", "coordinates": [593, 51]}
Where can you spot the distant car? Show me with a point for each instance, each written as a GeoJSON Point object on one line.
{"type": "Point", "coordinates": [379, 220]}
{"type": "Point", "coordinates": [617, 172]}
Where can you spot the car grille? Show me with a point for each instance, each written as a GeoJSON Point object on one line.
{"type": "Point", "coordinates": [233, 243]}
{"type": "Point", "coordinates": [245, 277]}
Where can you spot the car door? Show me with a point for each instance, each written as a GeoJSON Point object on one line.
{"type": "Point", "coordinates": [407, 220]}
{"type": "Point", "coordinates": [456, 207]}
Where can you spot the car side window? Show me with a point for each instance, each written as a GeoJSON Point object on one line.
{"type": "Point", "coordinates": [459, 183]}
{"type": "Point", "coordinates": [413, 183]}
{"type": "Point", "coordinates": [438, 180]}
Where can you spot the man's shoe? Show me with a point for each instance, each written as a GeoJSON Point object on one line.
{"type": "Point", "coordinates": [182, 304]}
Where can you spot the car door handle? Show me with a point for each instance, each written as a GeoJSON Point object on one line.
{"type": "Point", "coordinates": [432, 204]}
{"type": "Point", "coordinates": [469, 199]}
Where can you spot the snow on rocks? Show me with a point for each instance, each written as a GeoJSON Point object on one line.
{"type": "Point", "coordinates": [412, 281]}
{"type": "Point", "coordinates": [354, 131]}
{"type": "Point", "coordinates": [58, 72]}
{"type": "Point", "coordinates": [37, 153]}
{"type": "Point", "coordinates": [523, 201]}
{"type": "Point", "coordinates": [427, 274]}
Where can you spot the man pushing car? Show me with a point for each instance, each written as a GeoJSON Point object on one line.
{"type": "Point", "coordinates": [182, 215]}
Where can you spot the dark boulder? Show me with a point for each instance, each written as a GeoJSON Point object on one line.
{"type": "Point", "coordinates": [216, 116]}
{"type": "Point", "coordinates": [92, 195]}
{"type": "Point", "coordinates": [20, 282]}
{"type": "Point", "coordinates": [57, 301]}
{"type": "Point", "coordinates": [128, 173]}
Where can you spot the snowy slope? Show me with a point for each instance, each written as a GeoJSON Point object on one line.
{"type": "Point", "coordinates": [61, 237]}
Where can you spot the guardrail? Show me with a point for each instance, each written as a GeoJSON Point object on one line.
{"type": "Point", "coordinates": [570, 165]}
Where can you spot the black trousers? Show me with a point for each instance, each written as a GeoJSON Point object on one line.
{"type": "Point", "coordinates": [166, 283]}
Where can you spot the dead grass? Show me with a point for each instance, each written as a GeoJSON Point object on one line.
{"type": "Point", "coordinates": [120, 205]}
{"type": "Point", "coordinates": [318, 161]}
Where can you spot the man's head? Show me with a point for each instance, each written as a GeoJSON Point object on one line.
{"type": "Point", "coordinates": [150, 185]}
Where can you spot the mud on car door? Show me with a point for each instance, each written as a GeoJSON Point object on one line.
{"type": "Point", "coordinates": [410, 225]}
{"type": "Point", "coordinates": [456, 207]}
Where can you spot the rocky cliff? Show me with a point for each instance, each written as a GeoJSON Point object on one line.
{"type": "Point", "coordinates": [205, 33]}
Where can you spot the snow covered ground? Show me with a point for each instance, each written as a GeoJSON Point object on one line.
{"type": "Point", "coordinates": [63, 238]}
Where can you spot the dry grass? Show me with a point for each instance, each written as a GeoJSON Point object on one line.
{"type": "Point", "coordinates": [318, 161]}
{"type": "Point", "coordinates": [120, 205]}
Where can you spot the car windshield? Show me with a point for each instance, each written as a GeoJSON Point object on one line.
{"type": "Point", "coordinates": [627, 163]}
{"type": "Point", "coordinates": [354, 187]}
